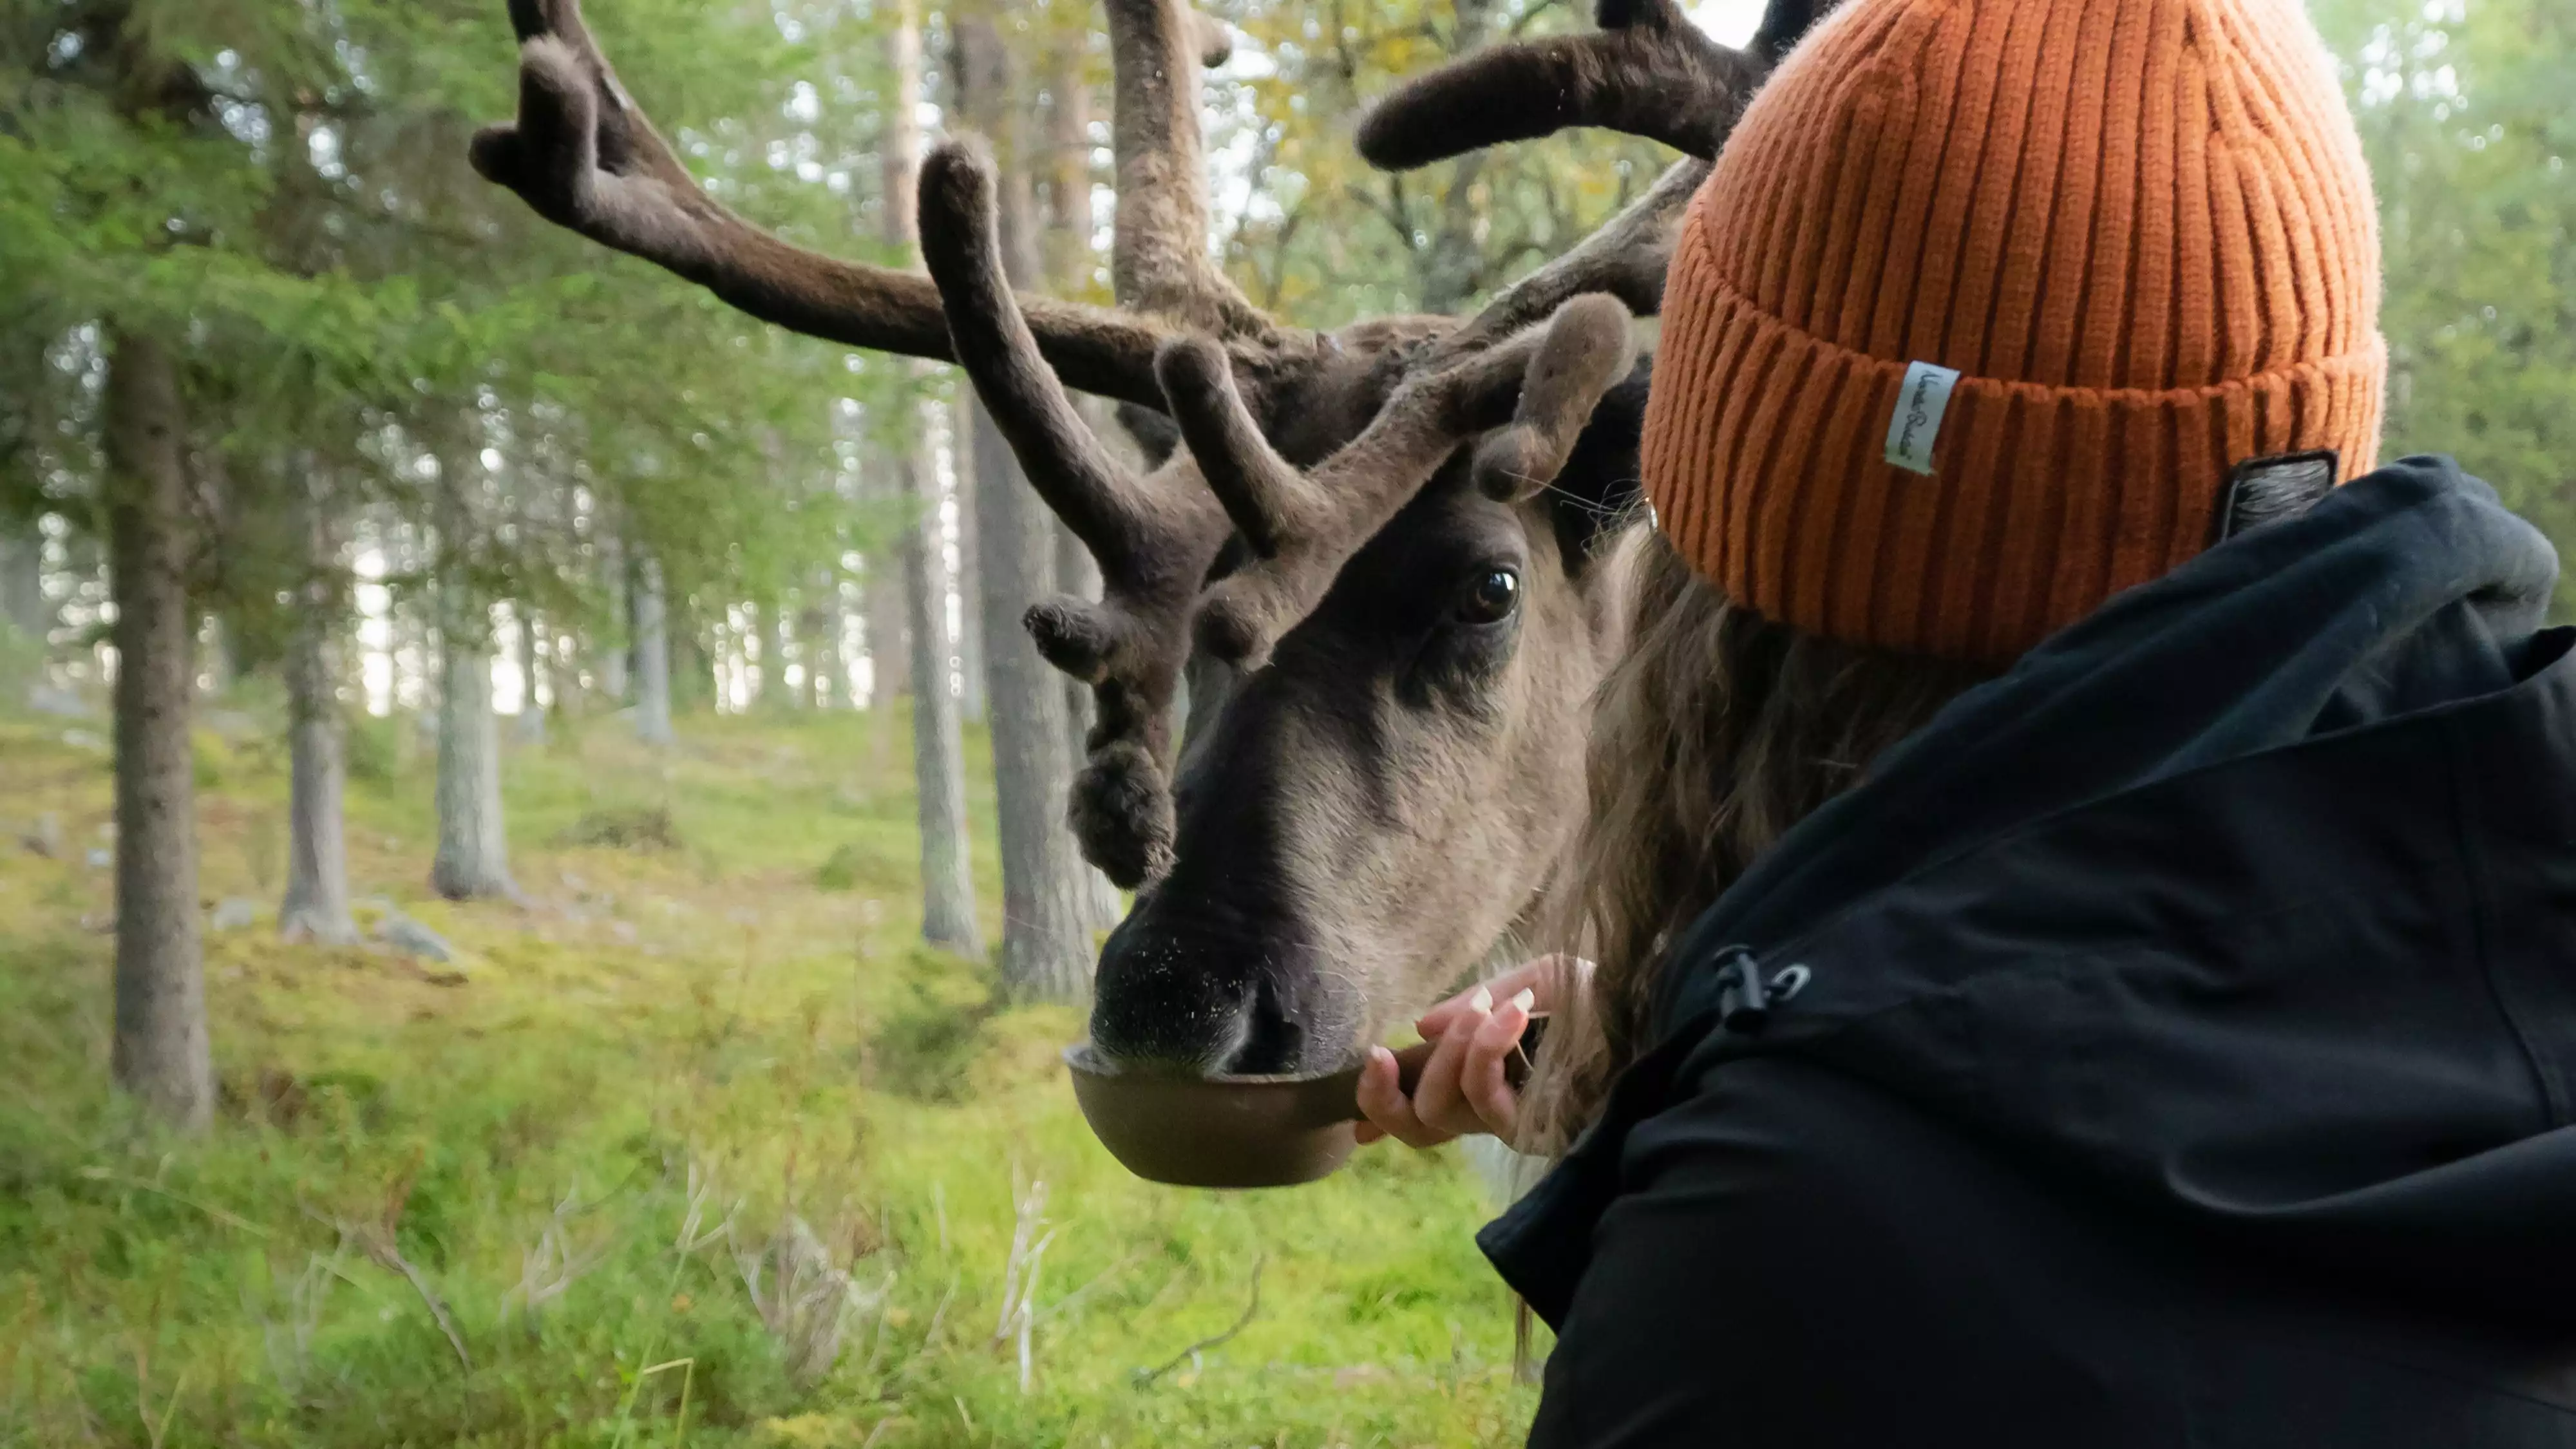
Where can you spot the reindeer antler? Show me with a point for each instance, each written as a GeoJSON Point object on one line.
{"type": "Point", "coordinates": [1303, 527]}
{"type": "Point", "coordinates": [1649, 72]}
{"type": "Point", "coordinates": [583, 155]}
{"type": "Point", "coordinates": [1158, 256]}
{"type": "Point", "coordinates": [1154, 537]}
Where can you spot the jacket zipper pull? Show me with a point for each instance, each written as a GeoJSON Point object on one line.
{"type": "Point", "coordinates": [1744, 999]}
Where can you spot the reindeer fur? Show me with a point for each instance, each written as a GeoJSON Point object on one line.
{"type": "Point", "coordinates": [1303, 529]}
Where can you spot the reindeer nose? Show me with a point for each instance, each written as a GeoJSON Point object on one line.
{"type": "Point", "coordinates": [1200, 997]}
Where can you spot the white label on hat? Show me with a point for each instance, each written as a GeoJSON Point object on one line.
{"type": "Point", "coordinates": [1919, 406]}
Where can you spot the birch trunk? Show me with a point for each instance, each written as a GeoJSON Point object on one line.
{"type": "Point", "coordinates": [160, 1052]}
{"type": "Point", "coordinates": [473, 860]}
{"type": "Point", "coordinates": [791, 650]}
{"type": "Point", "coordinates": [214, 658]}
{"type": "Point", "coordinates": [847, 657]}
{"type": "Point", "coordinates": [886, 608]}
{"type": "Point", "coordinates": [938, 754]}
{"type": "Point", "coordinates": [316, 907]}
{"type": "Point", "coordinates": [1046, 935]}
{"type": "Point", "coordinates": [652, 655]}
{"type": "Point", "coordinates": [617, 642]}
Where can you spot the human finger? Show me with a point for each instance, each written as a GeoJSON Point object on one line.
{"type": "Point", "coordinates": [1484, 1078]}
{"type": "Point", "coordinates": [1544, 976]}
{"type": "Point", "coordinates": [1438, 1098]}
{"type": "Point", "coordinates": [1388, 1112]}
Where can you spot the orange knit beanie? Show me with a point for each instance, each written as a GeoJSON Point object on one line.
{"type": "Point", "coordinates": [1986, 300]}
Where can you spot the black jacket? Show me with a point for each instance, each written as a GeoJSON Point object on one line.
{"type": "Point", "coordinates": [2238, 920]}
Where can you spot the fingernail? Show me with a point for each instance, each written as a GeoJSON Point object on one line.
{"type": "Point", "coordinates": [1483, 1000]}
{"type": "Point", "coordinates": [1526, 999]}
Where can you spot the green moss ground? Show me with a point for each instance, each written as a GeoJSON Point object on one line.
{"type": "Point", "coordinates": [652, 1070]}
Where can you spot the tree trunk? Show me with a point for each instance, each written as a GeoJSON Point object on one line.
{"type": "Point", "coordinates": [23, 605]}
{"type": "Point", "coordinates": [1069, 266]}
{"type": "Point", "coordinates": [530, 726]}
{"type": "Point", "coordinates": [777, 647]}
{"type": "Point", "coordinates": [473, 860]}
{"type": "Point", "coordinates": [970, 563]}
{"type": "Point", "coordinates": [652, 654]}
{"type": "Point", "coordinates": [316, 907]}
{"type": "Point", "coordinates": [938, 755]}
{"type": "Point", "coordinates": [1068, 259]}
{"type": "Point", "coordinates": [691, 665]}
{"type": "Point", "coordinates": [823, 634]}
{"type": "Point", "coordinates": [849, 657]}
{"type": "Point", "coordinates": [1046, 936]}
{"type": "Point", "coordinates": [1076, 572]}
{"type": "Point", "coordinates": [887, 610]}
{"type": "Point", "coordinates": [864, 653]}
{"type": "Point", "coordinates": [616, 643]}
{"type": "Point", "coordinates": [160, 1051]}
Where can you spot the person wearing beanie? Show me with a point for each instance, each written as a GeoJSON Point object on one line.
{"type": "Point", "coordinates": [2081, 861]}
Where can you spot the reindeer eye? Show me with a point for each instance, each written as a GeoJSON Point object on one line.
{"type": "Point", "coordinates": [1491, 598]}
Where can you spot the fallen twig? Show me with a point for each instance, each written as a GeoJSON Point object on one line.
{"type": "Point", "coordinates": [1146, 1377]}
{"type": "Point", "coordinates": [549, 1269]}
{"type": "Point", "coordinates": [230, 1220]}
{"type": "Point", "coordinates": [384, 1252]}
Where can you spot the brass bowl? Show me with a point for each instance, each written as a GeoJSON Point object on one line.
{"type": "Point", "coordinates": [1233, 1131]}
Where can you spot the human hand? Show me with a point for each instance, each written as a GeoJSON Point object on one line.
{"type": "Point", "coordinates": [1464, 1087]}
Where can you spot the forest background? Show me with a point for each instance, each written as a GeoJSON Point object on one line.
{"type": "Point", "coordinates": [501, 759]}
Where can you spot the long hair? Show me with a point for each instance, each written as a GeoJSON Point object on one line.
{"type": "Point", "coordinates": [1716, 732]}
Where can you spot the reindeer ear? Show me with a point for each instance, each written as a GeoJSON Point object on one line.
{"type": "Point", "coordinates": [1599, 492]}
{"type": "Point", "coordinates": [1588, 350]}
{"type": "Point", "coordinates": [1155, 434]}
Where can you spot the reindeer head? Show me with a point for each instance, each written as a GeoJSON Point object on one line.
{"type": "Point", "coordinates": [1392, 535]}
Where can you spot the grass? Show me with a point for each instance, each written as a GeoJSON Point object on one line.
{"type": "Point", "coordinates": [696, 1147]}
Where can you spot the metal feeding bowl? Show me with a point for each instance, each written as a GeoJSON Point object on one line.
{"type": "Point", "coordinates": [1232, 1131]}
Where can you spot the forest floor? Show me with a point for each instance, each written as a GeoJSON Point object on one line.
{"type": "Point", "coordinates": [694, 1145]}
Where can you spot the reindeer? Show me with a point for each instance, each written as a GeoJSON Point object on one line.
{"type": "Point", "coordinates": [1396, 536]}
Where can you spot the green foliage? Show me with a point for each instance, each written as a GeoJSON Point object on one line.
{"type": "Point", "coordinates": [208, 757]}
{"type": "Point", "coordinates": [625, 827]}
{"type": "Point", "coordinates": [645, 1081]}
{"type": "Point", "coordinates": [368, 750]}
{"type": "Point", "coordinates": [839, 871]}
{"type": "Point", "coordinates": [279, 192]}
{"type": "Point", "coordinates": [933, 1031]}
{"type": "Point", "coordinates": [2473, 147]}
{"type": "Point", "coordinates": [1324, 239]}
{"type": "Point", "coordinates": [22, 662]}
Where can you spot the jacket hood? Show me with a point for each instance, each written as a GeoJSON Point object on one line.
{"type": "Point", "coordinates": [2250, 899]}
